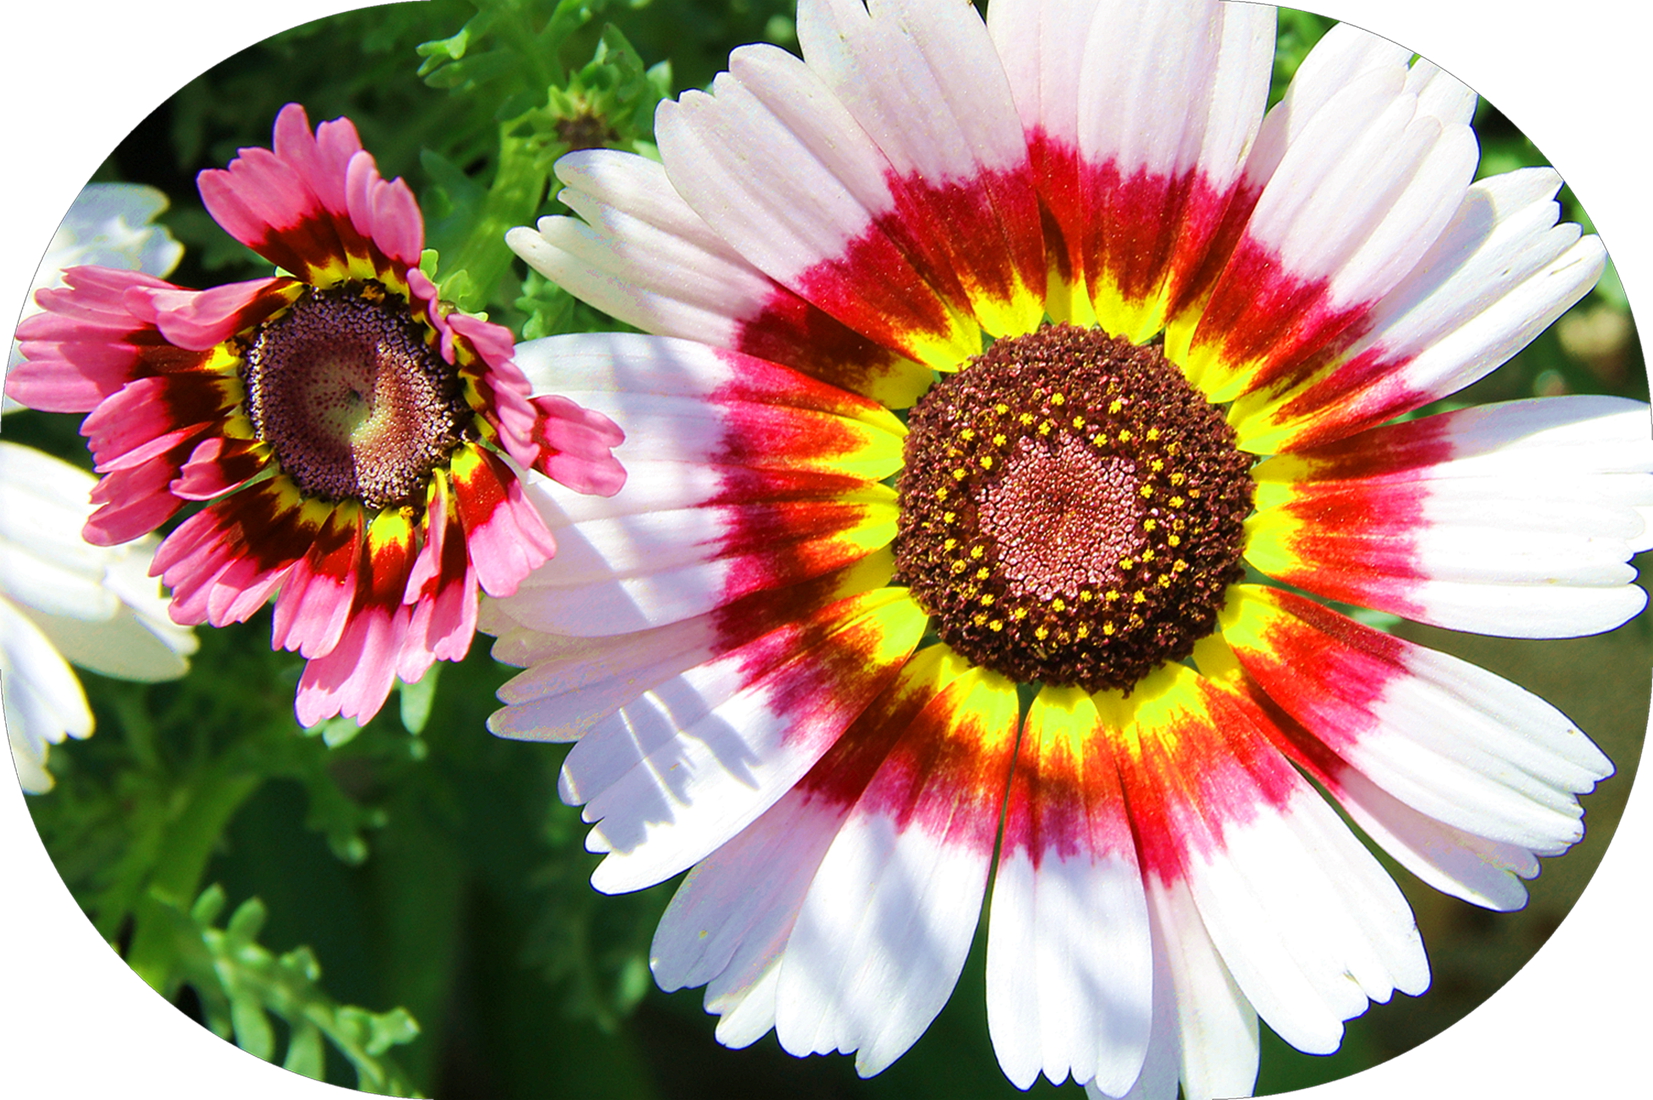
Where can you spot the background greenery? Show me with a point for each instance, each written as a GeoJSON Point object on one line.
{"type": "Point", "coordinates": [404, 907]}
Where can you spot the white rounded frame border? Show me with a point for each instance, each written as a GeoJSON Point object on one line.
{"type": "Point", "coordinates": [75, 1022]}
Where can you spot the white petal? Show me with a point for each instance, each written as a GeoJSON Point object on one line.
{"type": "Point", "coordinates": [676, 773]}
{"type": "Point", "coordinates": [887, 922]}
{"type": "Point", "coordinates": [1503, 271]}
{"type": "Point", "coordinates": [1069, 954]}
{"type": "Point", "coordinates": [880, 941]}
{"type": "Point", "coordinates": [925, 83]}
{"type": "Point", "coordinates": [1475, 751]}
{"type": "Point", "coordinates": [735, 910]}
{"type": "Point", "coordinates": [746, 1004]}
{"type": "Point", "coordinates": [1447, 738]}
{"type": "Point", "coordinates": [1497, 276]}
{"type": "Point", "coordinates": [922, 80]}
{"type": "Point", "coordinates": [1041, 44]}
{"type": "Point", "coordinates": [1239, 88]}
{"type": "Point", "coordinates": [43, 700]}
{"type": "Point", "coordinates": [815, 186]}
{"type": "Point", "coordinates": [629, 365]}
{"type": "Point", "coordinates": [1516, 519]}
{"type": "Point", "coordinates": [1146, 85]}
{"type": "Point", "coordinates": [1214, 1027]}
{"type": "Point", "coordinates": [1367, 187]}
{"type": "Point", "coordinates": [1343, 55]}
{"type": "Point", "coordinates": [44, 562]}
{"type": "Point", "coordinates": [642, 254]}
{"type": "Point", "coordinates": [97, 604]}
{"type": "Point", "coordinates": [561, 699]}
{"type": "Point", "coordinates": [1306, 920]}
{"type": "Point", "coordinates": [1483, 872]}
{"type": "Point", "coordinates": [1440, 93]}
{"type": "Point", "coordinates": [1069, 981]}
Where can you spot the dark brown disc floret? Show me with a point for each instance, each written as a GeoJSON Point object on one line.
{"type": "Point", "coordinates": [351, 393]}
{"type": "Point", "coordinates": [1072, 510]}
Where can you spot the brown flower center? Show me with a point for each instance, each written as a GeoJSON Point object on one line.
{"type": "Point", "coordinates": [352, 396]}
{"type": "Point", "coordinates": [1072, 510]}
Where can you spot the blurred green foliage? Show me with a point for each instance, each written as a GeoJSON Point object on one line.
{"type": "Point", "coordinates": [431, 865]}
{"type": "Point", "coordinates": [240, 984]}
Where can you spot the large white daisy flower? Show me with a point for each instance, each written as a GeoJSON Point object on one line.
{"type": "Point", "coordinates": [852, 667]}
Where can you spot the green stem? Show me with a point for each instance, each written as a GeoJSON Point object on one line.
{"type": "Point", "coordinates": [513, 199]}
{"type": "Point", "coordinates": [190, 840]}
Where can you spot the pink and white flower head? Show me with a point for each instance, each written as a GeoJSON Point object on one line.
{"type": "Point", "coordinates": [357, 444]}
{"type": "Point", "coordinates": [849, 667]}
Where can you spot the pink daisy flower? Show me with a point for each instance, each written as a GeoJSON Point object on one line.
{"type": "Point", "coordinates": [855, 668]}
{"type": "Point", "coordinates": [358, 445]}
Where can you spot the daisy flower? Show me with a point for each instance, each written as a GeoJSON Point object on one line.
{"type": "Point", "coordinates": [358, 444]}
{"type": "Point", "coordinates": [63, 599]}
{"type": "Point", "coordinates": [111, 224]}
{"type": "Point", "coordinates": [1157, 349]}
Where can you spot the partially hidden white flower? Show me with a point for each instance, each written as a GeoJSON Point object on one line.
{"type": "Point", "coordinates": [110, 224]}
{"type": "Point", "coordinates": [61, 598]}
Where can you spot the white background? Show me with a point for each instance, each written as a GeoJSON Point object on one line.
{"type": "Point", "coordinates": [77, 76]}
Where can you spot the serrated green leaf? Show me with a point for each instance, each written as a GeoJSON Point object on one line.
{"type": "Point", "coordinates": [428, 259]}
{"type": "Point", "coordinates": [443, 51]}
{"type": "Point", "coordinates": [241, 984]}
{"type": "Point", "coordinates": [458, 286]}
{"type": "Point", "coordinates": [389, 1029]}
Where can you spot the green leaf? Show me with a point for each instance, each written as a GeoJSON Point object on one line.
{"type": "Point", "coordinates": [337, 731]}
{"type": "Point", "coordinates": [241, 984]}
{"type": "Point", "coordinates": [416, 699]}
{"type": "Point", "coordinates": [208, 905]}
{"type": "Point", "coordinates": [389, 1029]}
{"type": "Point", "coordinates": [247, 921]}
{"type": "Point", "coordinates": [442, 51]}
{"type": "Point", "coordinates": [253, 1033]}
{"type": "Point", "coordinates": [305, 1053]}
{"type": "Point", "coordinates": [550, 308]}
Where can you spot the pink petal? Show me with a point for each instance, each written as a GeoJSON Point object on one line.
{"type": "Point", "coordinates": [216, 466]}
{"type": "Point", "coordinates": [86, 344]}
{"type": "Point", "coordinates": [505, 535]}
{"type": "Point", "coordinates": [314, 606]}
{"type": "Point", "coordinates": [354, 679]}
{"type": "Point", "coordinates": [384, 213]}
{"type": "Point", "coordinates": [134, 503]}
{"type": "Point", "coordinates": [199, 320]}
{"type": "Point", "coordinates": [574, 447]}
{"type": "Point", "coordinates": [320, 159]}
